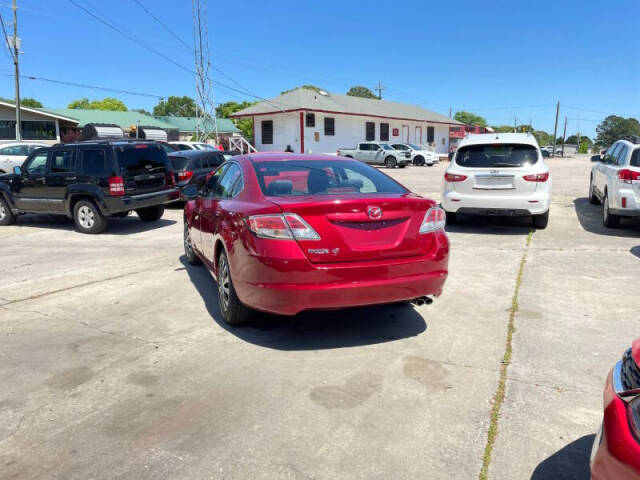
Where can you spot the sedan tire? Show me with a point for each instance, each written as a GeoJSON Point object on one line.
{"type": "Point", "coordinates": [190, 255]}
{"type": "Point", "coordinates": [88, 217]}
{"type": "Point", "coordinates": [233, 311]}
{"type": "Point", "coordinates": [592, 194]}
{"type": "Point", "coordinates": [419, 161]}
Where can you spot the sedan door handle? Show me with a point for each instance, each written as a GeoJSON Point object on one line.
{"type": "Point", "coordinates": [40, 179]}
{"type": "Point", "coordinates": [70, 179]}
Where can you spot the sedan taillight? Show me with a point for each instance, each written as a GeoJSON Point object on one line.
{"type": "Point", "coordinates": [434, 220]}
{"type": "Point", "coordinates": [116, 186]}
{"type": "Point", "coordinates": [452, 177]}
{"type": "Point", "coordinates": [537, 177]}
{"type": "Point", "coordinates": [284, 227]}
{"type": "Point", "coordinates": [184, 175]}
{"type": "Point", "coordinates": [628, 176]}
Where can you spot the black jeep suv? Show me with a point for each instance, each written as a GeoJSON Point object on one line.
{"type": "Point", "coordinates": [90, 181]}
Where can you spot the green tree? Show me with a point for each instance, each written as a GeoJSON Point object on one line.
{"type": "Point", "coordinates": [614, 127]}
{"type": "Point", "coordinates": [573, 140]}
{"type": "Point", "coordinates": [543, 138]}
{"type": "Point", "coordinates": [360, 91]}
{"type": "Point", "coordinates": [176, 107]}
{"type": "Point", "coordinates": [30, 102]}
{"type": "Point", "coordinates": [225, 110]}
{"type": "Point", "coordinates": [141, 110]}
{"type": "Point", "coordinates": [307, 87]}
{"type": "Point", "coordinates": [503, 129]}
{"type": "Point", "coordinates": [469, 118]}
{"type": "Point", "coordinates": [107, 103]}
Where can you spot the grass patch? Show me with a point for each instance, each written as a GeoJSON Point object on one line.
{"type": "Point", "coordinates": [498, 397]}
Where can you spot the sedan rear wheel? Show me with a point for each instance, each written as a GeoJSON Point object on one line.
{"type": "Point", "coordinates": [190, 255]}
{"type": "Point", "coordinates": [233, 311]}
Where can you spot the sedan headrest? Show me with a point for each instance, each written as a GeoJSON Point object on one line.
{"type": "Point", "coordinates": [280, 187]}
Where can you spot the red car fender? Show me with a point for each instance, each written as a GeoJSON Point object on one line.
{"type": "Point", "coordinates": [188, 211]}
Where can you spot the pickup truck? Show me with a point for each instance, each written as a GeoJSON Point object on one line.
{"type": "Point", "coordinates": [377, 153]}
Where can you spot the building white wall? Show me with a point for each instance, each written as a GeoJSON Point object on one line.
{"type": "Point", "coordinates": [349, 130]}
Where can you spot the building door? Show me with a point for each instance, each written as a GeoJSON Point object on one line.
{"type": "Point", "coordinates": [405, 133]}
{"type": "Point", "coordinates": [418, 136]}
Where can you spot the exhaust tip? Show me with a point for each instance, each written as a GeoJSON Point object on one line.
{"type": "Point", "coordinates": [420, 301]}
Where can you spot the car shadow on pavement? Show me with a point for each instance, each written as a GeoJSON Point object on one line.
{"type": "Point", "coordinates": [318, 330]}
{"type": "Point", "coordinates": [491, 225]}
{"type": "Point", "coordinates": [590, 217]}
{"type": "Point", "coordinates": [635, 251]}
{"type": "Point", "coordinates": [569, 463]}
{"type": "Point", "coordinates": [117, 226]}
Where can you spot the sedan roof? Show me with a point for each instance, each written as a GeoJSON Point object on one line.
{"type": "Point", "coordinates": [194, 153]}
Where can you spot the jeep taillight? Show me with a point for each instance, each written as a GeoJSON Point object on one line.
{"type": "Point", "coordinates": [628, 176]}
{"type": "Point", "coordinates": [116, 186]}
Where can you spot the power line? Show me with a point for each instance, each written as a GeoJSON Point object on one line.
{"type": "Point", "coordinates": [82, 85]}
{"type": "Point", "coordinates": [6, 37]}
{"type": "Point", "coordinates": [163, 25]}
{"type": "Point", "coordinates": [598, 111]}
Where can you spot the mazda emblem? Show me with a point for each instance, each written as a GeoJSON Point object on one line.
{"type": "Point", "coordinates": [374, 212]}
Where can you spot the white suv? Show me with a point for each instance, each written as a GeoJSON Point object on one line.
{"type": "Point", "coordinates": [14, 154]}
{"type": "Point", "coordinates": [615, 181]}
{"type": "Point", "coordinates": [498, 174]}
{"type": "Point", "coordinates": [420, 156]}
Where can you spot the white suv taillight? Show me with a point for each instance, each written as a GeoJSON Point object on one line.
{"type": "Point", "coordinates": [537, 177]}
{"type": "Point", "coordinates": [434, 220]}
{"type": "Point", "coordinates": [283, 227]}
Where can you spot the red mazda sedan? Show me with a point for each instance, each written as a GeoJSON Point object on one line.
{"type": "Point", "coordinates": [616, 449]}
{"type": "Point", "coordinates": [283, 233]}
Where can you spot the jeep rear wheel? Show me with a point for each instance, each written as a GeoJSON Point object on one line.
{"type": "Point", "coordinates": [88, 218]}
{"type": "Point", "coordinates": [6, 215]}
{"type": "Point", "coordinates": [390, 162]}
{"type": "Point", "coordinates": [150, 214]}
{"type": "Point", "coordinates": [233, 311]}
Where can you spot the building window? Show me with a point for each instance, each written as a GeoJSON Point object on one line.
{"type": "Point", "coordinates": [32, 130]}
{"type": "Point", "coordinates": [267, 132]}
{"type": "Point", "coordinates": [310, 120]}
{"type": "Point", "coordinates": [370, 133]}
{"type": "Point", "coordinates": [329, 126]}
{"type": "Point", "coordinates": [7, 129]}
{"type": "Point", "coordinates": [430, 134]}
{"type": "Point", "coordinates": [384, 132]}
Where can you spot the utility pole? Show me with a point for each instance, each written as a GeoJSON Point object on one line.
{"type": "Point", "coordinates": [379, 88]}
{"type": "Point", "coordinates": [578, 146]}
{"type": "Point", "coordinates": [564, 134]}
{"type": "Point", "coordinates": [515, 124]}
{"type": "Point", "coordinates": [15, 62]}
{"type": "Point", "coordinates": [450, 112]}
{"type": "Point", "coordinates": [555, 130]}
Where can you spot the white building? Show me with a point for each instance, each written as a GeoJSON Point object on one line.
{"type": "Point", "coordinates": [320, 122]}
{"type": "Point", "coordinates": [37, 124]}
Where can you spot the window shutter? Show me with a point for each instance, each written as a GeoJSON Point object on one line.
{"type": "Point", "coordinates": [370, 131]}
{"type": "Point", "coordinates": [267, 132]}
{"type": "Point", "coordinates": [384, 132]}
{"type": "Point", "coordinates": [329, 126]}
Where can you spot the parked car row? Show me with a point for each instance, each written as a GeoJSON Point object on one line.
{"type": "Point", "coordinates": [391, 155]}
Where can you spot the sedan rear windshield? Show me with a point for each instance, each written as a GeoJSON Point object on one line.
{"type": "Point", "coordinates": [496, 156]}
{"type": "Point", "coordinates": [178, 163]}
{"type": "Point", "coordinates": [138, 159]}
{"type": "Point", "coordinates": [320, 177]}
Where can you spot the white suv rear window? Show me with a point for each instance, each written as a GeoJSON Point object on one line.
{"type": "Point", "coordinates": [503, 155]}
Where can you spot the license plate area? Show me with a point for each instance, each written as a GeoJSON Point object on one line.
{"type": "Point", "coordinates": [494, 182]}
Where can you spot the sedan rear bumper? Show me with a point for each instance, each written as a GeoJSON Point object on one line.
{"type": "Point", "coordinates": [292, 285]}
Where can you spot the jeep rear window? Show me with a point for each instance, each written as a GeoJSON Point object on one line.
{"type": "Point", "coordinates": [139, 159]}
{"type": "Point", "coordinates": [502, 155]}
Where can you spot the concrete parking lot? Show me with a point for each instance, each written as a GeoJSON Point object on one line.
{"type": "Point", "coordinates": [115, 364]}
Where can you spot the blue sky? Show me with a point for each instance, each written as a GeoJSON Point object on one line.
{"type": "Point", "coordinates": [497, 59]}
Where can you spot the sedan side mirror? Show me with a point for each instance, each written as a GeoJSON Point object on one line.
{"type": "Point", "coordinates": [596, 158]}
{"type": "Point", "coordinates": [17, 171]}
{"type": "Point", "coordinates": [190, 192]}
